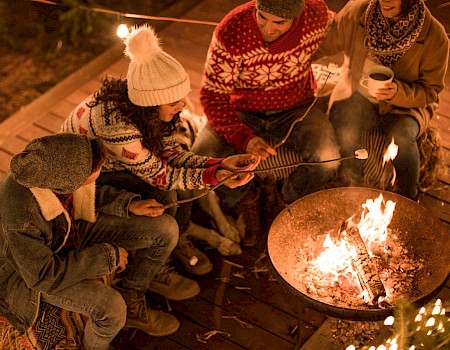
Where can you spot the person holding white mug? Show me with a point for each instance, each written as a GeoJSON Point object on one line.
{"type": "Point", "coordinates": [403, 41]}
{"type": "Point", "coordinates": [377, 81]}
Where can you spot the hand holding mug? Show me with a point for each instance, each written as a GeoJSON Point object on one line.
{"type": "Point", "coordinates": [379, 82]}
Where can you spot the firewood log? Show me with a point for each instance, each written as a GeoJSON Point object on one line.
{"type": "Point", "coordinates": [365, 266]}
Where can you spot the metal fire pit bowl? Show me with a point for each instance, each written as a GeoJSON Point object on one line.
{"type": "Point", "coordinates": [421, 232]}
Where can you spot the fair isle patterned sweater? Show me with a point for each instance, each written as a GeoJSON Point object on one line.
{"type": "Point", "coordinates": [175, 170]}
{"type": "Point", "coordinates": [242, 73]}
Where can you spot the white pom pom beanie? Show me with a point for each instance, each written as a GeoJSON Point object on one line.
{"type": "Point", "coordinates": [154, 77]}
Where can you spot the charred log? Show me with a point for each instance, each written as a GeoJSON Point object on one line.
{"type": "Point", "coordinates": [365, 266]}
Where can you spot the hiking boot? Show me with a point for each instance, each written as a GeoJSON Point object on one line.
{"type": "Point", "coordinates": [173, 286]}
{"type": "Point", "coordinates": [152, 322]}
{"type": "Point", "coordinates": [192, 259]}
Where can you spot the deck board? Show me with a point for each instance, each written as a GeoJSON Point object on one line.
{"type": "Point", "coordinates": [258, 300]}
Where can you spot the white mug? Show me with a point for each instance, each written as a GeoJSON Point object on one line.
{"type": "Point", "coordinates": [377, 77]}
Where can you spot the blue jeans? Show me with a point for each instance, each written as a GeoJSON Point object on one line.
{"type": "Point", "coordinates": [357, 115]}
{"type": "Point", "coordinates": [313, 139]}
{"type": "Point", "coordinates": [153, 239]}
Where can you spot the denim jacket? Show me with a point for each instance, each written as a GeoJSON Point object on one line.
{"type": "Point", "coordinates": [34, 227]}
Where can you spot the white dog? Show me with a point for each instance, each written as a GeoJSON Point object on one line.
{"type": "Point", "coordinates": [229, 232]}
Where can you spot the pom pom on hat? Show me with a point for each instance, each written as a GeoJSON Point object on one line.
{"type": "Point", "coordinates": [154, 77]}
{"type": "Point", "coordinates": [142, 45]}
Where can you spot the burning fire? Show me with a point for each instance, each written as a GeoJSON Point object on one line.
{"type": "Point", "coordinates": [337, 260]}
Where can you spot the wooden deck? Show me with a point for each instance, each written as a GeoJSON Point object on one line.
{"type": "Point", "coordinates": [253, 312]}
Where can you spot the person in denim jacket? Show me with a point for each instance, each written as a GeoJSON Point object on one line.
{"type": "Point", "coordinates": [59, 235]}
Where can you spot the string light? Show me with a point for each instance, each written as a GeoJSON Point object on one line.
{"type": "Point", "coordinates": [122, 31]}
{"type": "Point", "coordinates": [131, 15]}
{"type": "Point", "coordinates": [430, 330]}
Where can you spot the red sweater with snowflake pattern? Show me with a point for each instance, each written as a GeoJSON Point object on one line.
{"type": "Point", "coordinates": [243, 73]}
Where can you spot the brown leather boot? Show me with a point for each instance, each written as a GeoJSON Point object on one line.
{"type": "Point", "coordinates": [152, 322]}
{"type": "Point", "coordinates": [250, 209]}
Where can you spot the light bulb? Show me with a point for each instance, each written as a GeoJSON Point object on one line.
{"type": "Point", "coordinates": [122, 31]}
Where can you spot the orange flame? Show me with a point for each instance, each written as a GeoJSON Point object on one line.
{"type": "Point", "coordinates": [335, 261]}
{"type": "Point", "coordinates": [390, 154]}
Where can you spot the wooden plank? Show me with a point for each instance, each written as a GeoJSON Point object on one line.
{"type": "Point", "coordinates": [13, 146]}
{"type": "Point", "coordinates": [263, 285]}
{"type": "Point", "coordinates": [5, 159]}
{"type": "Point", "coordinates": [120, 67]}
{"type": "Point", "coordinates": [139, 340]}
{"type": "Point", "coordinates": [444, 174]}
{"type": "Point", "coordinates": [440, 191]}
{"type": "Point", "coordinates": [32, 132]}
{"type": "Point", "coordinates": [439, 208]}
{"type": "Point", "coordinates": [91, 86]}
{"type": "Point", "coordinates": [444, 107]}
{"type": "Point", "coordinates": [323, 339]}
{"type": "Point", "coordinates": [444, 294]}
{"type": "Point", "coordinates": [50, 122]}
{"type": "Point", "coordinates": [210, 315]}
{"type": "Point", "coordinates": [63, 109]}
{"type": "Point", "coordinates": [77, 97]}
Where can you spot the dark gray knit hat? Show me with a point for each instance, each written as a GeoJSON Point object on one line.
{"type": "Point", "coordinates": [60, 162]}
{"type": "Point", "coordinates": [287, 9]}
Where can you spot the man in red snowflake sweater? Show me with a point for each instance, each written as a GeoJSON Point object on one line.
{"type": "Point", "coordinates": [257, 81]}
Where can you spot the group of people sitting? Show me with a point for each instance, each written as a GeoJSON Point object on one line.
{"type": "Point", "coordinates": [95, 199]}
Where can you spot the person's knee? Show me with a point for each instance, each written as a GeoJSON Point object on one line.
{"type": "Point", "coordinates": [162, 230]}
{"type": "Point", "coordinates": [112, 314]}
{"type": "Point", "coordinates": [404, 131]}
{"type": "Point", "coordinates": [170, 236]}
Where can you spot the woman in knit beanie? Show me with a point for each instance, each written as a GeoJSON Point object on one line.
{"type": "Point", "coordinates": [136, 118]}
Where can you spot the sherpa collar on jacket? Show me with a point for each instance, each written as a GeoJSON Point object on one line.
{"type": "Point", "coordinates": [51, 207]}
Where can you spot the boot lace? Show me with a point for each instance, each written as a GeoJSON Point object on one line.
{"type": "Point", "coordinates": [164, 275]}
{"type": "Point", "coordinates": [138, 307]}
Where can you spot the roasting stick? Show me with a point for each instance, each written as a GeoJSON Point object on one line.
{"type": "Point", "coordinates": [365, 267]}
{"type": "Point", "coordinates": [359, 154]}
{"type": "Point", "coordinates": [332, 67]}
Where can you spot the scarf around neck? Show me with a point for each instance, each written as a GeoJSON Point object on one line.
{"type": "Point", "coordinates": [385, 43]}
